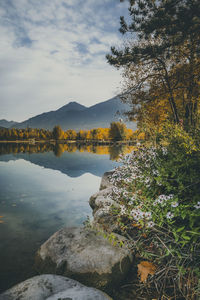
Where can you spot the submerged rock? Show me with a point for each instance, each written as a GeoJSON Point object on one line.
{"type": "Point", "coordinates": [52, 287]}
{"type": "Point", "coordinates": [84, 255]}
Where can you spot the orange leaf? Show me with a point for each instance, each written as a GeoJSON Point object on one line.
{"type": "Point", "coordinates": [144, 269]}
{"type": "Point", "coordinates": [136, 225]}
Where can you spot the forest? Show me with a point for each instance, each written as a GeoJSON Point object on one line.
{"type": "Point", "coordinates": [117, 132]}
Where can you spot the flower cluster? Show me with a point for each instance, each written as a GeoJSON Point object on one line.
{"type": "Point", "coordinates": [136, 166]}
{"type": "Point", "coordinates": [140, 167]}
{"type": "Point", "coordinates": [162, 199]}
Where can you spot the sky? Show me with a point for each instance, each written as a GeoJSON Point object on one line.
{"type": "Point", "coordinates": [53, 52]}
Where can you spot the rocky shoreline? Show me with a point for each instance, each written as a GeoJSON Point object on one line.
{"type": "Point", "coordinates": [80, 253]}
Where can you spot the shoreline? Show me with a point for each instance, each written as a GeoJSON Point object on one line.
{"type": "Point", "coordinates": [54, 142]}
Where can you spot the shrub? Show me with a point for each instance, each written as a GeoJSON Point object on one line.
{"type": "Point", "coordinates": [158, 189]}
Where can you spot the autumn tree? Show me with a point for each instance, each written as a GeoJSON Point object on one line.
{"type": "Point", "coordinates": [82, 134]}
{"type": "Point", "coordinates": [14, 133]}
{"type": "Point", "coordinates": [163, 54]}
{"type": "Point", "coordinates": [70, 134]}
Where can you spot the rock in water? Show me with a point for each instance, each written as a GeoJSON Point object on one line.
{"type": "Point", "coordinates": [52, 287]}
{"type": "Point", "coordinates": [84, 255]}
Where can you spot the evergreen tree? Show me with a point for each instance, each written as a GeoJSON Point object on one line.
{"type": "Point", "coordinates": [118, 131]}
{"type": "Point", "coordinates": [57, 133]}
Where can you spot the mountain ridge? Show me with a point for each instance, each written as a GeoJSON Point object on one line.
{"type": "Point", "coordinates": [7, 124]}
{"type": "Point", "coordinates": [76, 116]}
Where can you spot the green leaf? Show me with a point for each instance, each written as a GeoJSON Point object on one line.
{"type": "Point", "coordinates": [180, 229]}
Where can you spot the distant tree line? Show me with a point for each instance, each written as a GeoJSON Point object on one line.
{"type": "Point", "coordinates": [117, 131]}
{"type": "Point", "coordinates": [24, 134]}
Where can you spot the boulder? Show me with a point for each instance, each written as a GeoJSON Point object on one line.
{"type": "Point", "coordinates": [101, 203]}
{"type": "Point", "coordinates": [101, 198]}
{"type": "Point", "coordinates": [52, 287]}
{"type": "Point", "coordinates": [84, 255]}
{"type": "Point", "coordinates": [104, 220]}
{"type": "Point", "coordinates": [105, 181]}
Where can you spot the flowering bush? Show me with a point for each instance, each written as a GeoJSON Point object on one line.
{"type": "Point", "coordinates": [158, 194]}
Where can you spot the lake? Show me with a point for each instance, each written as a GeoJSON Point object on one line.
{"type": "Point", "coordinates": [43, 188]}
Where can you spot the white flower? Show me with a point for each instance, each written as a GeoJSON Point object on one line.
{"type": "Point", "coordinates": [164, 151]}
{"type": "Point", "coordinates": [136, 214]}
{"type": "Point", "coordinates": [150, 224]}
{"type": "Point", "coordinates": [174, 204]}
{"type": "Point", "coordinates": [162, 199]}
{"type": "Point", "coordinates": [148, 215]}
{"type": "Point", "coordinates": [169, 215]}
{"type": "Point", "coordinates": [198, 205]}
{"type": "Point", "coordinates": [123, 210]}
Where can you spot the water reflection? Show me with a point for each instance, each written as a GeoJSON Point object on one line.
{"type": "Point", "coordinates": [44, 187]}
{"type": "Point", "coordinates": [71, 159]}
{"type": "Point", "coordinates": [34, 203]}
{"type": "Point", "coordinates": [113, 150]}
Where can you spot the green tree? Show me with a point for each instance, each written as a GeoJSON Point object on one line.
{"type": "Point", "coordinates": [57, 133]}
{"type": "Point", "coordinates": [118, 131]}
{"type": "Point", "coordinates": [164, 55]}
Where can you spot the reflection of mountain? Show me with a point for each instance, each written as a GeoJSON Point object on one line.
{"type": "Point", "coordinates": [73, 164]}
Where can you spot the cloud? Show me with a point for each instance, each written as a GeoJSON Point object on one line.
{"type": "Point", "coordinates": [54, 51]}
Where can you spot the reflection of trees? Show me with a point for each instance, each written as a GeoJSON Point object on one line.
{"type": "Point", "coordinates": [115, 152]}
{"type": "Point", "coordinates": [72, 147]}
{"type": "Point", "coordinates": [58, 150]}
{"type": "Point", "coordinates": [112, 150]}
{"type": "Point", "coordinates": [24, 148]}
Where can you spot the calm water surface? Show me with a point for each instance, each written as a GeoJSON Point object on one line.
{"type": "Point", "coordinates": [41, 191]}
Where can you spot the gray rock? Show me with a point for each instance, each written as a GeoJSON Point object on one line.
{"type": "Point", "coordinates": [105, 181]}
{"type": "Point", "coordinates": [104, 220]}
{"type": "Point", "coordinates": [100, 198]}
{"type": "Point", "coordinates": [84, 255]}
{"type": "Point", "coordinates": [101, 203]}
{"type": "Point", "coordinates": [52, 287]}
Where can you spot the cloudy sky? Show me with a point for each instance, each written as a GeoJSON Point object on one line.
{"type": "Point", "coordinates": [53, 52]}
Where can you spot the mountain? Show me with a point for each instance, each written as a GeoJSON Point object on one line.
{"type": "Point", "coordinates": [72, 106]}
{"type": "Point", "coordinates": [7, 124]}
{"type": "Point", "coordinates": [76, 116]}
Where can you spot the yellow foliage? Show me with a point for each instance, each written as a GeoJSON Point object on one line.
{"type": "Point", "coordinates": [141, 136]}
{"type": "Point", "coordinates": [175, 133]}
{"type": "Point", "coordinates": [102, 150]}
